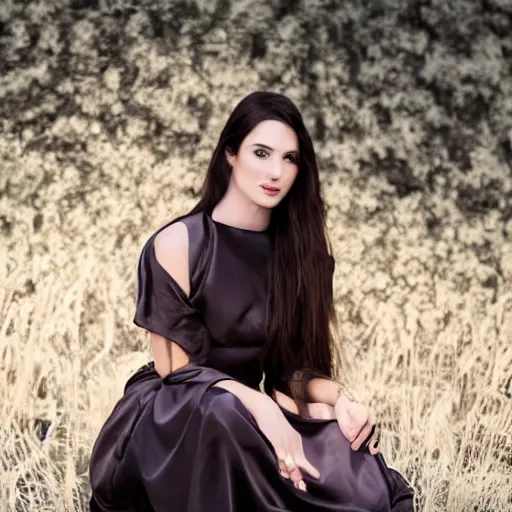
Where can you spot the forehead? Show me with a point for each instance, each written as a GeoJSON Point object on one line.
{"type": "Point", "coordinates": [275, 134]}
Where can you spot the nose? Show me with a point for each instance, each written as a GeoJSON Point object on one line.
{"type": "Point", "coordinates": [276, 170]}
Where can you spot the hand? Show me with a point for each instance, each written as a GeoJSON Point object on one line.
{"type": "Point", "coordinates": [354, 421]}
{"type": "Point", "coordinates": [286, 441]}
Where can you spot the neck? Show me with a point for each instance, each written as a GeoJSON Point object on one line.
{"type": "Point", "coordinates": [236, 210]}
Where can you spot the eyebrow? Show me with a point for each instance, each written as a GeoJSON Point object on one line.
{"type": "Point", "coordinates": [264, 146]}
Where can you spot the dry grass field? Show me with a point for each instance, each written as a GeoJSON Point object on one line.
{"type": "Point", "coordinates": [109, 111]}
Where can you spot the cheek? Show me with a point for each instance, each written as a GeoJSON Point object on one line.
{"type": "Point", "coordinates": [250, 168]}
{"type": "Point", "coordinates": [291, 176]}
{"type": "Point", "coordinates": [255, 167]}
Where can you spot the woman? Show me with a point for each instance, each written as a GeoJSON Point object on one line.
{"type": "Point", "coordinates": [241, 284]}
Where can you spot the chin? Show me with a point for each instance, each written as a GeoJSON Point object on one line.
{"type": "Point", "coordinates": [262, 200]}
{"type": "Point", "coordinates": [269, 203]}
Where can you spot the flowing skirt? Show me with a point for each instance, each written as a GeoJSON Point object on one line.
{"type": "Point", "coordinates": [181, 445]}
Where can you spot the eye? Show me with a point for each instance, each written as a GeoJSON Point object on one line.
{"type": "Point", "coordinates": [261, 153]}
{"type": "Point", "coordinates": [293, 159]}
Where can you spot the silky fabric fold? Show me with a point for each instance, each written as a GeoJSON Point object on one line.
{"type": "Point", "coordinates": [181, 444]}
{"type": "Point", "coordinates": [210, 436]}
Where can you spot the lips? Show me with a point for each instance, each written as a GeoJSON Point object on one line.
{"type": "Point", "coordinates": [268, 188]}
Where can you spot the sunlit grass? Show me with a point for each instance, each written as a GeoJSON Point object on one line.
{"type": "Point", "coordinates": [447, 425]}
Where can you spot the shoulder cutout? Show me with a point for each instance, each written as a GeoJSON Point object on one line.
{"type": "Point", "coordinates": [171, 251]}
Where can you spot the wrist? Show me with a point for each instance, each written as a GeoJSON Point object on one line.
{"type": "Point", "coordinates": [323, 390]}
{"type": "Point", "coordinates": [343, 397]}
{"type": "Point", "coordinates": [260, 404]}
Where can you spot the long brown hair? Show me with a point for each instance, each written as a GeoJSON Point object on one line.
{"type": "Point", "coordinates": [299, 340]}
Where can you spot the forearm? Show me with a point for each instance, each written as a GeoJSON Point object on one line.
{"type": "Point", "coordinates": [325, 391]}
{"type": "Point", "coordinates": [252, 399]}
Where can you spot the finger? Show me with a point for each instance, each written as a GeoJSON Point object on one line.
{"type": "Point", "coordinates": [289, 464]}
{"type": "Point", "coordinates": [373, 444]}
{"type": "Point", "coordinates": [282, 466]}
{"type": "Point", "coordinates": [304, 464]}
{"type": "Point", "coordinates": [284, 474]}
{"type": "Point", "coordinates": [364, 435]}
{"type": "Point", "coordinates": [374, 448]}
{"type": "Point", "coordinates": [372, 440]}
{"type": "Point", "coordinates": [295, 476]}
{"type": "Point", "coordinates": [301, 485]}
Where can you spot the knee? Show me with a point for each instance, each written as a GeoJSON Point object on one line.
{"type": "Point", "coordinates": [223, 409]}
{"type": "Point", "coordinates": [227, 426]}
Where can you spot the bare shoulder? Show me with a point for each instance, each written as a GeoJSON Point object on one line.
{"type": "Point", "coordinates": [171, 251]}
{"type": "Point", "coordinates": [173, 238]}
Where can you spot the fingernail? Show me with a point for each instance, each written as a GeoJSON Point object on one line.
{"type": "Point", "coordinates": [302, 486]}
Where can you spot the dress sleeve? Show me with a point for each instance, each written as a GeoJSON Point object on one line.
{"type": "Point", "coordinates": [164, 308]}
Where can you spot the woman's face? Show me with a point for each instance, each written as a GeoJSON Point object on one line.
{"type": "Point", "coordinates": [266, 164]}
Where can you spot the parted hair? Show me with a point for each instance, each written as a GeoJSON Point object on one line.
{"type": "Point", "coordinates": [299, 336]}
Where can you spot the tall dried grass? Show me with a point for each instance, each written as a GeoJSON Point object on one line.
{"type": "Point", "coordinates": [109, 117]}
{"type": "Point", "coordinates": [436, 391]}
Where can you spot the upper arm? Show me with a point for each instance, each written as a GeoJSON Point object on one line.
{"type": "Point", "coordinates": [171, 251]}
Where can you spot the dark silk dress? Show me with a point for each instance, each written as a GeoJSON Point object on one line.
{"type": "Point", "coordinates": [180, 445]}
